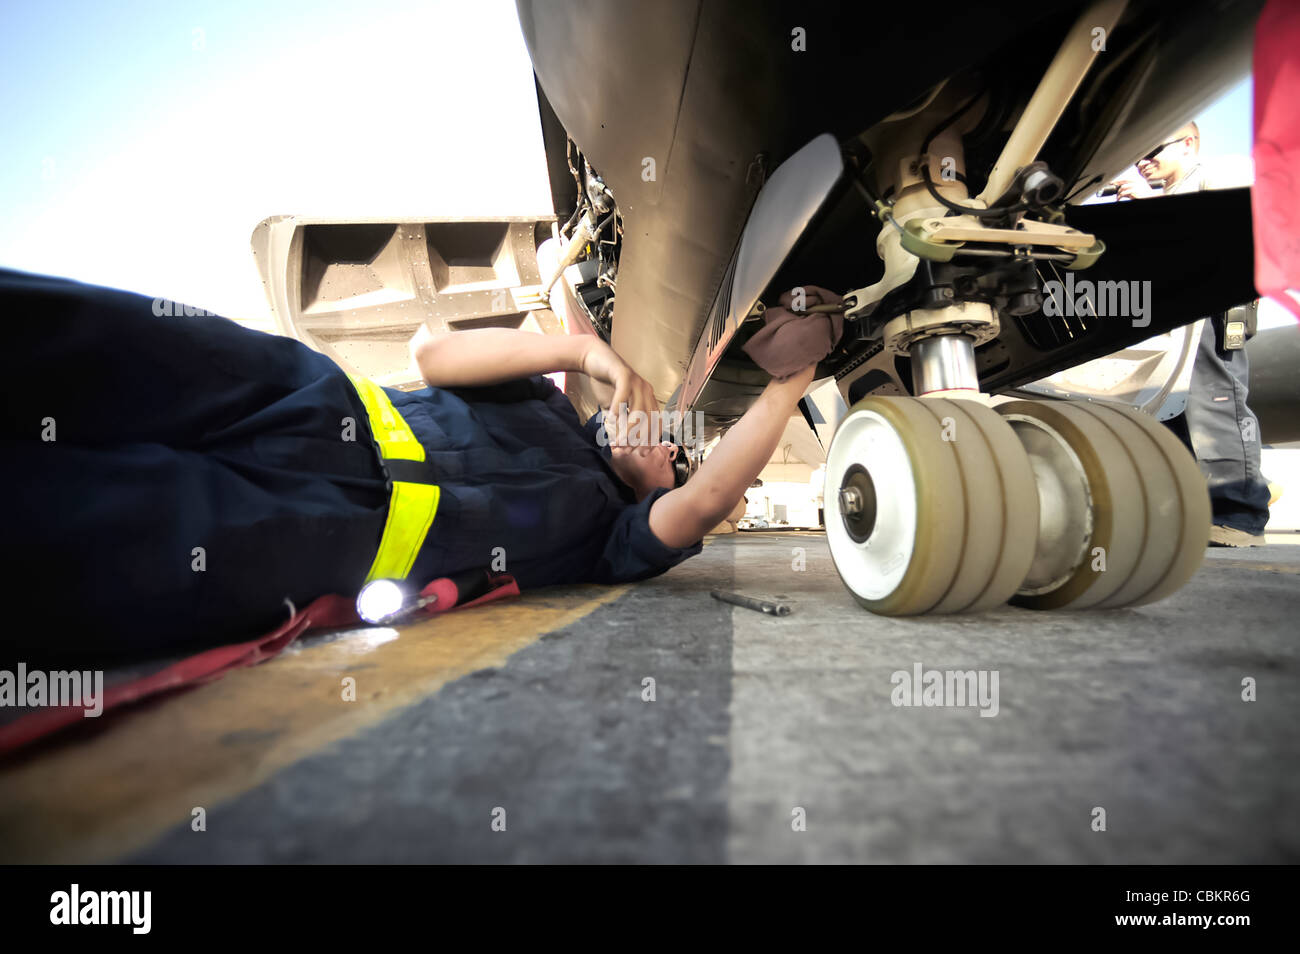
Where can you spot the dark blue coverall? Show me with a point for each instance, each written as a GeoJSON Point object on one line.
{"type": "Point", "coordinates": [171, 481]}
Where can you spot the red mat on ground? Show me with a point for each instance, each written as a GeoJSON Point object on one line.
{"type": "Point", "coordinates": [324, 613]}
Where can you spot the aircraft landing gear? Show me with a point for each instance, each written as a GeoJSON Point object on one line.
{"type": "Point", "coordinates": [935, 505]}
{"type": "Point", "coordinates": [938, 503]}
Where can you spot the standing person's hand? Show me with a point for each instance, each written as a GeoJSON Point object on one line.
{"type": "Point", "coordinates": [1132, 189]}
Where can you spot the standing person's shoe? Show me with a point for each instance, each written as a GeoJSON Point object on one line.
{"type": "Point", "coordinates": [1232, 537]}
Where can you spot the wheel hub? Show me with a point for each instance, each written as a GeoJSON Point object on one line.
{"type": "Point", "coordinates": [1064, 505]}
{"type": "Point", "coordinates": [858, 503]}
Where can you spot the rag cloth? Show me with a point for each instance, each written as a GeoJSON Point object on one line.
{"type": "Point", "coordinates": [789, 341]}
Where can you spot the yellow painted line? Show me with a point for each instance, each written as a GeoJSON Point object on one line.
{"type": "Point", "coordinates": [1252, 565]}
{"type": "Point", "coordinates": [99, 798]}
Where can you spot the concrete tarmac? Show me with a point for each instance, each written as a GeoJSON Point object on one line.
{"type": "Point", "coordinates": [651, 723]}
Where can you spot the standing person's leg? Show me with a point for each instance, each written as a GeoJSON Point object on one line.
{"type": "Point", "coordinates": [1225, 436]}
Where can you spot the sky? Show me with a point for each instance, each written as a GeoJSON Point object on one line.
{"type": "Point", "coordinates": [143, 141]}
{"type": "Point", "coordinates": [1226, 127]}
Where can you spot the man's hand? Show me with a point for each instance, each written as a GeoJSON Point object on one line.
{"type": "Point", "coordinates": [1132, 189]}
{"type": "Point", "coordinates": [627, 387]}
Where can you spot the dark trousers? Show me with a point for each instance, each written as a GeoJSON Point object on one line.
{"type": "Point", "coordinates": [171, 481]}
{"type": "Point", "coordinates": [1223, 433]}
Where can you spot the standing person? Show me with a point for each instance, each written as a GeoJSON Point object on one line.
{"type": "Point", "coordinates": [1220, 428]}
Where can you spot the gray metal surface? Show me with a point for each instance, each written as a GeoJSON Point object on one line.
{"type": "Point", "coordinates": [943, 363]}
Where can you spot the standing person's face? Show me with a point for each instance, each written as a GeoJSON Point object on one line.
{"type": "Point", "coordinates": [1169, 161]}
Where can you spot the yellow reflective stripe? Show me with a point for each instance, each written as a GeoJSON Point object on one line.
{"type": "Point", "coordinates": [410, 514]}
{"type": "Point", "coordinates": [411, 506]}
{"type": "Point", "coordinates": [391, 432]}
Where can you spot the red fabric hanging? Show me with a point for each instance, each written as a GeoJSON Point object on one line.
{"type": "Point", "coordinates": [1276, 196]}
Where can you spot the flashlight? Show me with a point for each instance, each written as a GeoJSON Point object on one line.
{"type": "Point", "coordinates": [384, 601]}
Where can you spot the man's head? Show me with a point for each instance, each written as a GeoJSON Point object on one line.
{"type": "Point", "coordinates": [1172, 158]}
{"type": "Point", "coordinates": [646, 467]}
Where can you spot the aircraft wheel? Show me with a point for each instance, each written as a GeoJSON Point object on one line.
{"type": "Point", "coordinates": [1124, 512]}
{"type": "Point", "coordinates": [931, 506]}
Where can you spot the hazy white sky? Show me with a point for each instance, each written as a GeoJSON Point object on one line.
{"type": "Point", "coordinates": [144, 141]}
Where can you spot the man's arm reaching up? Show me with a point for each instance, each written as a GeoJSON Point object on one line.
{"type": "Point", "coordinates": [683, 516]}
{"type": "Point", "coordinates": [484, 356]}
